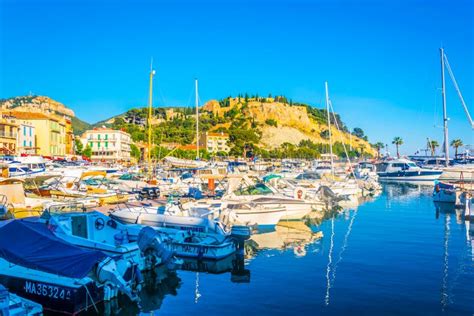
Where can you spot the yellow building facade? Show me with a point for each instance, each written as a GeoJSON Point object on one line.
{"type": "Point", "coordinates": [8, 136]}
{"type": "Point", "coordinates": [51, 136]}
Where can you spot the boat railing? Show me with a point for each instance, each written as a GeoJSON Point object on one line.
{"type": "Point", "coordinates": [61, 208]}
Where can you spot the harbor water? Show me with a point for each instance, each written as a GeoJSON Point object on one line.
{"type": "Point", "coordinates": [398, 254]}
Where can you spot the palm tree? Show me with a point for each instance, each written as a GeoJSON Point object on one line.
{"type": "Point", "coordinates": [397, 141]}
{"type": "Point", "coordinates": [378, 146]}
{"type": "Point", "coordinates": [433, 144]}
{"type": "Point", "coordinates": [456, 143]}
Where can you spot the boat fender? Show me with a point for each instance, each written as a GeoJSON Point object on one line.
{"type": "Point", "coordinates": [299, 193]}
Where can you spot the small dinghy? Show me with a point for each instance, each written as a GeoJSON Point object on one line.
{"type": "Point", "coordinates": [62, 277]}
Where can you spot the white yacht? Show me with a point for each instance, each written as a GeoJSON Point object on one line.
{"type": "Point", "coordinates": [405, 170]}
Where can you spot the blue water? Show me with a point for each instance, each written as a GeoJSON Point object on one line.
{"type": "Point", "coordinates": [399, 254]}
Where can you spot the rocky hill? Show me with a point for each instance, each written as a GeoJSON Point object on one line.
{"type": "Point", "coordinates": [281, 122]}
{"type": "Point", "coordinates": [267, 126]}
{"type": "Point", "coordinates": [36, 104]}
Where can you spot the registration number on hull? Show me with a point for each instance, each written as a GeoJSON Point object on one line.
{"type": "Point", "coordinates": [46, 290]}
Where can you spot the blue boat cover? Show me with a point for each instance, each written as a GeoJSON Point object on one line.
{"type": "Point", "coordinates": [33, 245]}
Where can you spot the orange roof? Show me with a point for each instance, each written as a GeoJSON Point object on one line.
{"type": "Point", "coordinates": [29, 115]}
{"type": "Point", "coordinates": [190, 147]}
{"type": "Point", "coordinates": [218, 134]}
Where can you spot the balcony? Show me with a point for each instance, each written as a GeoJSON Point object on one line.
{"type": "Point", "coordinates": [7, 135]}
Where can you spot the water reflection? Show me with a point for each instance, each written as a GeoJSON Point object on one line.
{"type": "Point", "coordinates": [288, 235]}
{"type": "Point", "coordinates": [445, 212]}
{"type": "Point", "coordinates": [157, 285]}
{"type": "Point", "coordinates": [234, 264]}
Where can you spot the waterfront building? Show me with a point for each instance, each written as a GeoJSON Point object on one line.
{"type": "Point", "coordinates": [69, 137]}
{"type": "Point", "coordinates": [26, 138]}
{"type": "Point", "coordinates": [8, 136]}
{"type": "Point", "coordinates": [214, 142]}
{"type": "Point", "coordinates": [50, 131]}
{"type": "Point", "coordinates": [108, 145]}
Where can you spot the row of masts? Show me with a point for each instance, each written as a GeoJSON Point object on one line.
{"type": "Point", "coordinates": [150, 118]}
{"type": "Point", "coordinates": [443, 93]}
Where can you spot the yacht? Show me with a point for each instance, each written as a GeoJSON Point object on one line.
{"type": "Point", "coordinates": [405, 170]}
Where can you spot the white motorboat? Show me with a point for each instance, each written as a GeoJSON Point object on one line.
{"type": "Point", "coordinates": [405, 170]}
{"type": "Point", "coordinates": [94, 230]}
{"type": "Point", "coordinates": [190, 236]}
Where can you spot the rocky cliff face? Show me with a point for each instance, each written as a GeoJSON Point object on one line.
{"type": "Point", "coordinates": [293, 123]}
{"type": "Point", "coordinates": [36, 104]}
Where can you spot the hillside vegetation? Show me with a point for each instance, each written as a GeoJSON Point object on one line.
{"type": "Point", "coordinates": [269, 127]}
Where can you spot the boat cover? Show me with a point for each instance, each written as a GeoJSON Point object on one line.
{"type": "Point", "coordinates": [33, 245]}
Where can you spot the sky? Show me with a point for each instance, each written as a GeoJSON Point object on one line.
{"type": "Point", "coordinates": [380, 58]}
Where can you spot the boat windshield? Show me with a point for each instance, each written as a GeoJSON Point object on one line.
{"type": "Point", "coordinates": [411, 164]}
{"type": "Point", "coordinates": [308, 176]}
{"type": "Point", "coordinates": [63, 208]}
{"type": "Point", "coordinates": [258, 189]}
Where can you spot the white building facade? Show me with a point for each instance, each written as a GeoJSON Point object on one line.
{"type": "Point", "coordinates": [107, 145]}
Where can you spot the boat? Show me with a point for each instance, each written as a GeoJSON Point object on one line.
{"type": "Point", "coordinates": [94, 230]}
{"type": "Point", "coordinates": [26, 166]}
{"type": "Point", "coordinates": [14, 305]}
{"type": "Point", "coordinates": [189, 236]}
{"type": "Point", "coordinates": [62, 277]}
{"type": "Point", "coordinates": [405, 170]}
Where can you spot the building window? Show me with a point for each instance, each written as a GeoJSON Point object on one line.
{"type": "Point", "coordinates": [24, 130]}
{"type": "Point", "coordinates": [24, 143]}
{"type": "Point", "coordinates": [31, 144]}
{"type": "Point", "coordinates": [106, 137]}
{"type": "Point", "coordinates": [106, 143]}
{"type": "Point", "coordinates": [98, 136]}
{"type": "Point", "coordinates": [30, 130]}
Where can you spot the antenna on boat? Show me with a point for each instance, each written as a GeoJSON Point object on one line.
{"type": "Point", "coordinates": [150, 114]}
{"type": "Point", "coordinates": [445, 116]}
{"type": "Point", "coordinates": [329, 127]}
{"type": "Point", "coordinates": [196, 101]}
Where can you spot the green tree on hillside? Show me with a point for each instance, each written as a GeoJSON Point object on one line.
{"type": "Point", "coordinates": [78, 146]}
{"type": "Point", "coordinates": [135, 152]}
{"type": "Point", "coordinates": [87, 152]}
{"type": "Point", "coordinates": [358, 132]}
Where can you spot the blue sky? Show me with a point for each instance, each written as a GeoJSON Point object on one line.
{"type": "Point", "coordinates": [380, 58]}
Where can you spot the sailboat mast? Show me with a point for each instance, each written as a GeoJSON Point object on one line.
{"type": "Point", "coordinates": [196, 101]}
{"type": "Point", "coordinates": [445, 116]}
{"type": "Point", "coordinates": [329, 126]}
{"type": "Point", "coordinates": [150, 113]}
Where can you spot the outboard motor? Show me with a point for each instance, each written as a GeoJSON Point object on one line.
{"type": "Point", "coordinates": [107, 273]}
{"type": "Point", "coordinates": [239, 234]}
{"type": "Point", "coordinates": [328, 195]}
{"type": "Point", "coordinates": [154, 247]}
